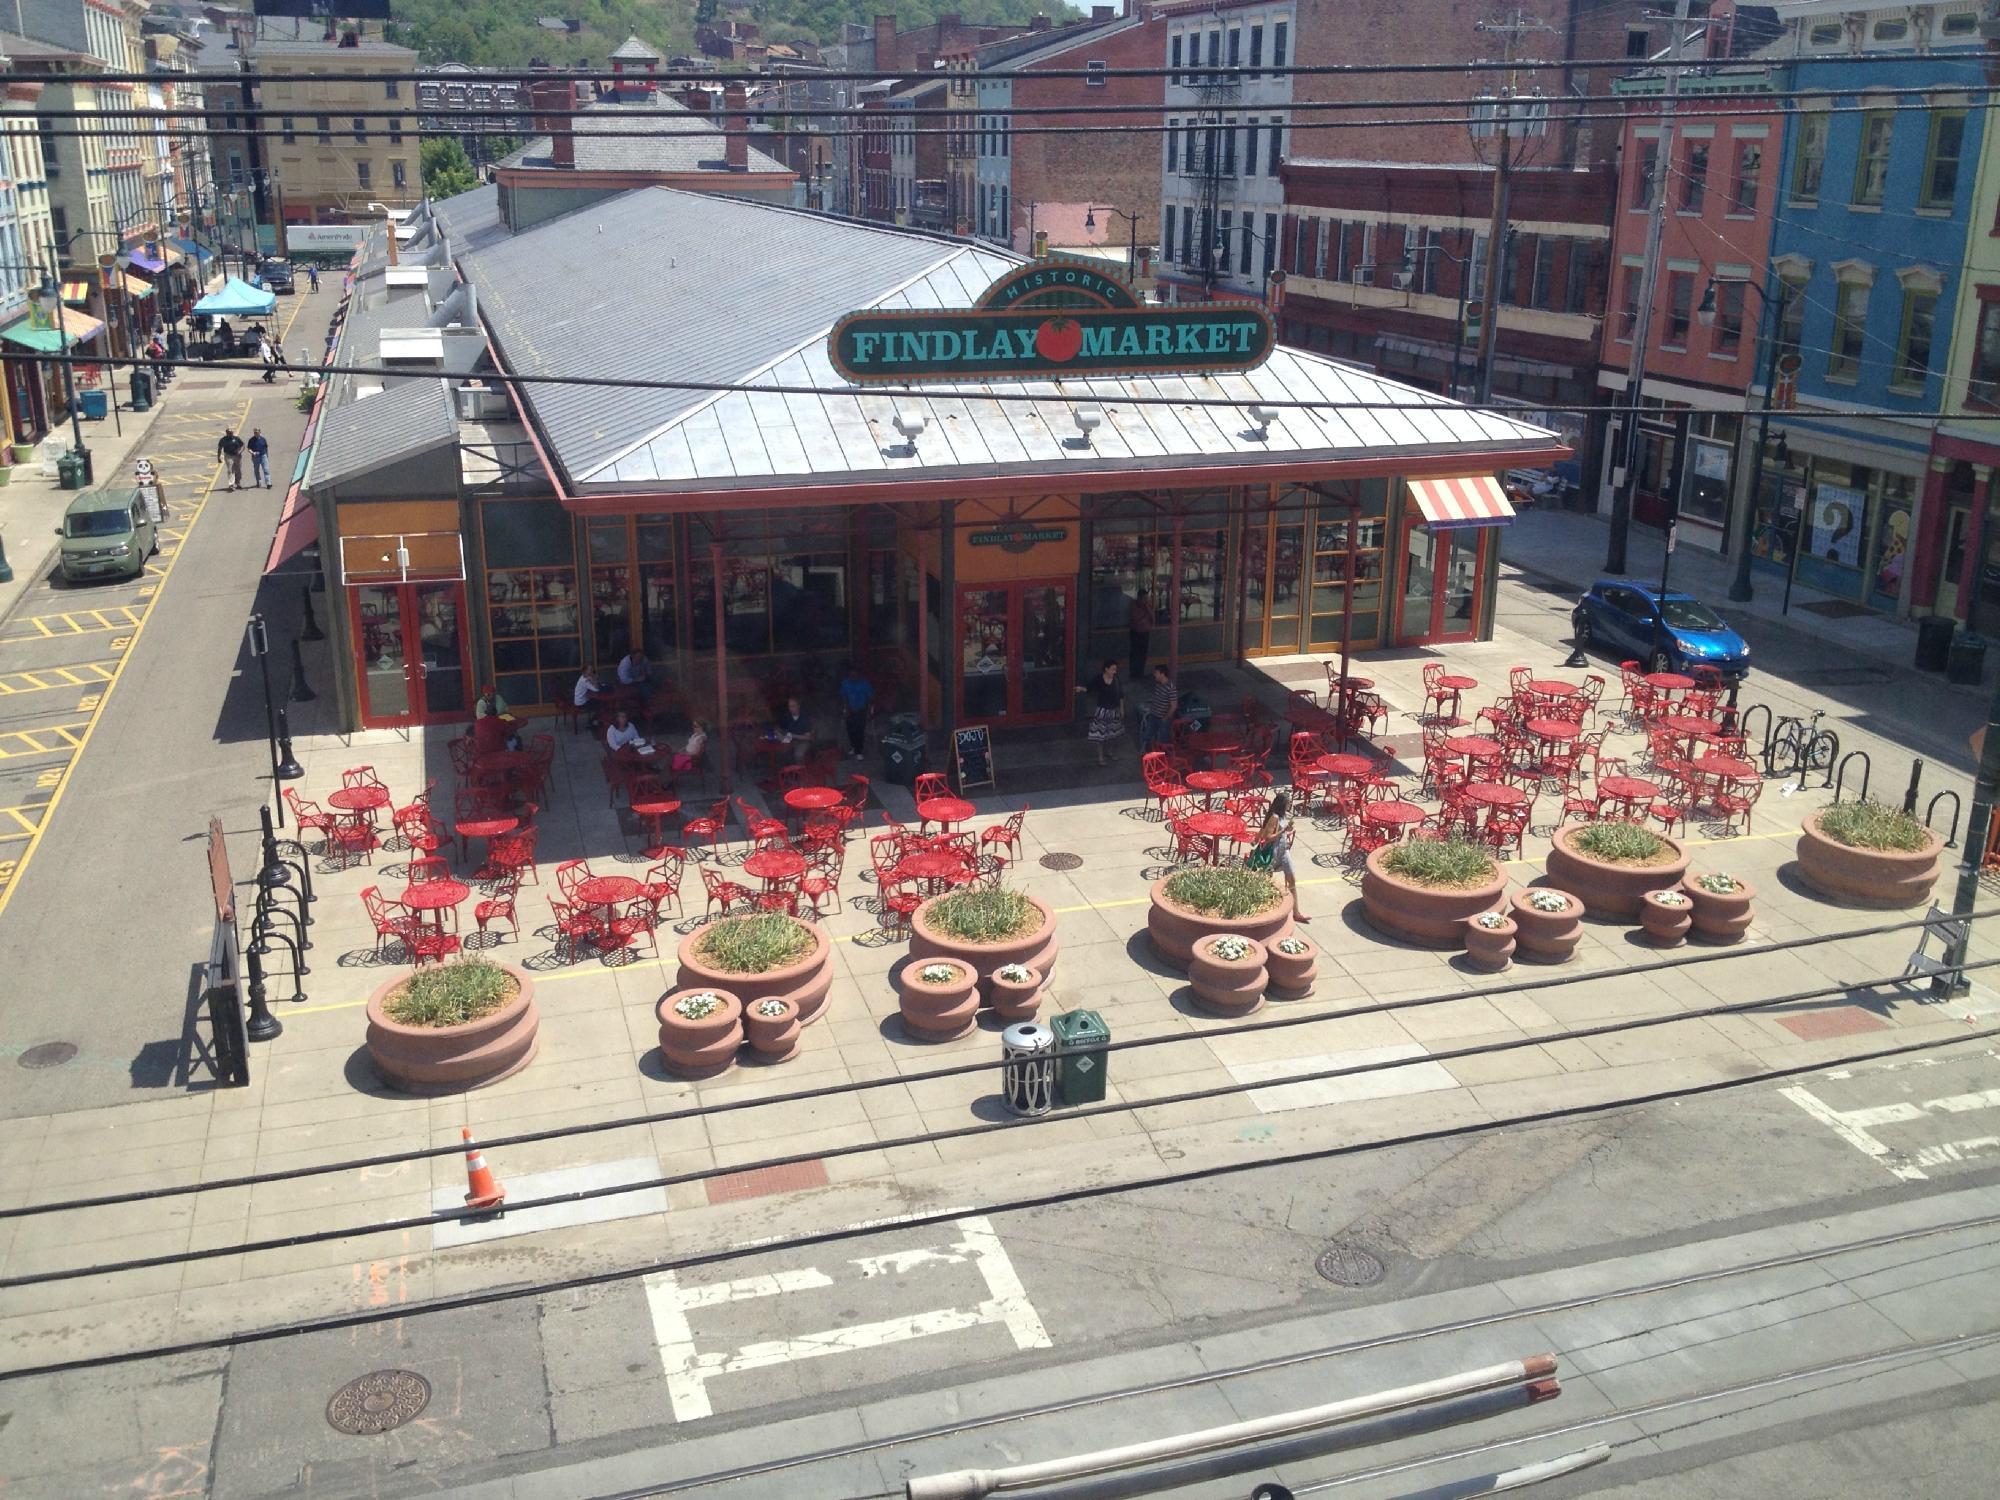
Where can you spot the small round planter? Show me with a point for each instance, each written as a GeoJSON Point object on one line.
{"type": "Point", "coordinates": [938, 1012]}
{"type": "Point", "coordinates": [703, 1047]}
{"type": "Point", "coordinates": [1606, 889]}
{"type": "Point", "coordinates": [1429, 916]}
{"type": "Point", "coordinates": [1229, 986]}
{"type": "Point", "coordinates": [1720, 917]}
{"type": "Point", "coordinates": [1490, 949]}
{"type": "Point", "coordinates": [451, 1059]}
{"type": "Point", "coordinates": [772, 1038]}
{"type": "Point", "coordinates": [804, 982]}
{"type": "Point", "coordinates": [1548, 937]}
{"type": "Point", "coordinates": [1664, 924]}
{"type": "Point", "coordinates": [1293, 975]}
{"type": "Point", "coordinates": [1038, 950]}
{"type": "Point", "coordinates": [1015, 999]}
{"type": "Point", "coordinates": [1173, 929]}
{"type": "Point", "coordinates": [1880, 878]}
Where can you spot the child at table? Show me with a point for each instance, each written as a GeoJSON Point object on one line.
{"type": "Point", "coordinates": [1273, 850]}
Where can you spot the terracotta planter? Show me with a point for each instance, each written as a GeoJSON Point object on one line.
{"type": "Point", "coordinates": [1229, 986]}
{"type": "Point", "coordinates": [1430, 916]}
{"type": "Point", "coordinates": [1038, 950]}
{"type": "Point", "coordinates": [1665, 925]}
{"type": "Point", "coordinates": [1548, 937]}
{"type": "Point", "coordinates": [1878, 878]}
{"type": "Point", "coordinates": [773, 1038]}
{"type": "Point", "coordinates": [804, 983]}
{"type": "Point", "coordinates": [938, 1012]}
{"type": "Point", "coordinates": [449, 1059]}
{"type": "Point", "coordinates": [700, 1048]}
{"type": "Point", "coordinates": [1173, 930]}
{"type": "Point", "coordinates": [1015, 1000]}
{"type": "Point", "coordinates": [1720, 918]}
{"type": "Point", "coordinates": [1490, 949]}
{"type": "Point", "coordinates": [1605, 889]}
{"type": "Point", "coordinates": [1293, 975]}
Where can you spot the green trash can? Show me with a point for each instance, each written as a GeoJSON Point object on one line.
{"type": "Point", "coordinates": [1081, 1058]}
{"type": "Point", "coordinates": [69, 472]}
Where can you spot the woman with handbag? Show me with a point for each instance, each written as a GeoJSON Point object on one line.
{"type": "Point", "coordinates": [1272, 851]}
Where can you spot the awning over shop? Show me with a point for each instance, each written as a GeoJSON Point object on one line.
{"type": "Point", "coordinates": [236, 299]}
{"type": "Point", "coordinates": [1476, 500]}
{"type": "Point", "coordinates": [298, 528]}
{"type": "Point", "coordinates": [76, 293]}
{"type": "Point", "coordinates": [47, 340]}
{"type": "Point", "coordinates": [150, 264]}
{"type": "Point", "coordinates": [189, 247]}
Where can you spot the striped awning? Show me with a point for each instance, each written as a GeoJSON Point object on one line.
{"type": "Point", "coordinates": [76, 293]}
{"type": "Point", "coordinates": [1476, 500]}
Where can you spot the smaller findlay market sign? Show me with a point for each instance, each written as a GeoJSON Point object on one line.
{"type": "Point", "coordinates": [1050, 318]}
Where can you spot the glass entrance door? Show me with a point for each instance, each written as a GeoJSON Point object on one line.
{"type": "Point", "coordinates": [1015, 658]}
{"type": "Point", "coordinates": [1274, 547]}
{"type": "Point", "coordinates": [1440, 595]}
{"type": "Point", "coordinates": [410, 653]}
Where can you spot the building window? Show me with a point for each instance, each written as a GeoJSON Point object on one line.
{"type": "Point", "coordinates": [1850, 328]}
{"type": "Point", "coordinates": [1095, 70]}
{"type": "Point", "coordinates": [1256, 50]}
{"type": "Point", "coordinates": [1628, 305]}
{"type": "Point", "coordinates": [1913, 344]}
{"type": "Point", "coordinates": [391, 89]}
{"type": "Point", "coordinates": [1174, 56]}
{"type": "Point", "coordinates": [1941, 156]}
{"type": "Point", "coordinates": [1648, 170]}
{"type": "Point", "coordinates": [1542, 278]}
{"type": "Point", "coordinates": [395, 130]}
{"type": "Point", "coordinates": [1891, 31]}
{"type": "Point", "coordinates": [1960, 23]}
{"type": "Point", "coordinates": [1277, 147]}
{"type": "Point", "coordinates": [1680, 309]}
{"type": "Point", "coordinates": [1985, 387]}
{"type": "Point", "coordinates": [1250, 149]}
{"type": "Point", "coordinates": [1270, 244]}
{"type": "Point", "coordinates": [1280, 35]}
{"type": "Point", "coordinates": [1810, 161]}
{"type": "Point", "coordinates": [1236, 46]}
{"type": "Point", "coordinates": [1581, 281]}
{"type": "Point", "coordinates": [1728, 317]}
{"type": "Point", "coordinates": [364, 174]}
{"type": "Point", "coordinates": [398, 174]}
{"type": "Point", "coordinates": [1223, 235]}
{"type": "Point", "coordinates": [1749, 174]}
{"type": "Point", "coordinates": [1694, 178]}
{"type": "Point", "coordinates": [1173, 145]}
{"type": "Point", "coordinates": [1228, 151]}
{"type": "Point", "coordinates": [360, 129]}
{"type": "Point", "coordinates": [1188, 249]}
{"type": "Point", "coordinates": [1871, 164]}
{"type": "Point", "coordinates": [1243, 258]}
{"type": "Point", "coordinates": [325, 127]}
{"type": "Point", "coordinates": [1167, 237]}
{"type": "Point", "coordinates": [1637, 41]}
{"type": "Point", "coordinates": [1825, 34]}
{"type": "Point", "coordinates": [1792, 316]}
{"type": "Point", "coordinates": [285, 124]}
{"type": "Point", "coordinates": [1214, 56]}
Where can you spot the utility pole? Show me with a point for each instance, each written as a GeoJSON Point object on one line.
{"type": "Point", "coordinates": [1509, 118]}
{"type": "Point", "coordinates": [1626, 475]}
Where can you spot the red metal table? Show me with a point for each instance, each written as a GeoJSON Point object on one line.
{"type": "Point", "coordinates": [1561, 731]}
{"type": "Point", "coordinates": [1218, 827]}
{"type": "Point", "coordinates": [1553, 687]}
{"type": "Point", "coordinates": [1627, 791]}
{"type": "Point", "coordinates": [433, 898]}
{"type": "Point", "coordinates": [1494, 794]}
{"type": "Point", "coordinates": [1394, 813]}
{"type": "Point", "coordinates": [775, 866]}
{"type": "Point", "coordinates": [483, 828]}
{"type": "Point", "coordinates": [1208, 783]}
{"type": "Point", "coordinates": [1729, 767]}
{"type": "Point", "coordinates": [360, 803]}
{"type": "Point", "coordinates": [1668, 682]}
{"type": "Point", "coordinates": [1474, 747]}
{"type": "Point", "coordinates": [655, 810]}
{"type": "Point", "coordinates": [1455, 684]}
{"type": "Point", "coordinates": [1344, 765]}
{"type": "Point", "coordinates": [945, 810]}
{"type": "Point", "coordinates": [607, 891]}
{"type": "Point", "coordinates": [1348, 686]}
{"type": "Point", "coordinates": [811, 799]}
{"type": "Point", "coordinates": [1213, 742]}
{"type": "Point", "coordinates": [931, 869]}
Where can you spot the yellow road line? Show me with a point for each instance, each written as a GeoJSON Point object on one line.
{"type": "Point", "coordinates": [85, 674]}
{"type": "Point", "coordinates": [54, 739]}
{"type": "Point", "coordinates": [20, 815]}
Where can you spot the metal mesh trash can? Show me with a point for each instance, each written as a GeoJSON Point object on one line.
{"type": "Point", "coordinates": [905, 750]}
{"type": "Point", "coordinates": [1081, 1040]}
{"type": "Point", "coordinates": [1028, 1068]}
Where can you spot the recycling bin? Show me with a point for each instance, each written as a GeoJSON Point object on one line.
{"type": "Point", "coordinates": [142, 391]}
{"type": "Point", "coordinates": [1028, 1068]}
{"type": "Point", "coordinates": [1967, 661]}
{"type": "Point", "coordinates": [95, 405]}
{"type": "Point", "coordinates": [1081, 1042]}
{"type": "Point", "coordinates": [905, 750]}
{"type": "Point", "coordinates": [69, 472]}
{"type": "Point", "coordinates": [1934, 642]}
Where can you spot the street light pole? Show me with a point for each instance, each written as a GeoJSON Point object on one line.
{"type": "Point", "coordinates": [1740, 589]}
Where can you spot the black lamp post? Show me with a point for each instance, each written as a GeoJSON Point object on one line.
{"type": "Point", "coordinates": [287, 769]}
{"type": "Point", "coordinates": [1132, 243]}
{"type": "Point", "coordinates": [1740, 589]}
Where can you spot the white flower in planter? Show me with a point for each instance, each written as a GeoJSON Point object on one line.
{"type": "Point", "coordinates": [698, 1006]}
{"type": "Point", "coordinates": [1667, 898]}
{"type": "Point", "coordinates": [1492, 921]}
{"type": "Point", "coordinates": [771, 1009]}
{"type": "Point", "coordinates": [1548, 901]}
{"type": "Point", "coordinates": [1229, 949]}
{"type": "Point", "coordinates": [1015, 973]}
{"type": "Point", "coordinates": [1719, 885]}
{"type": "Point", "coordinates": [1292, 947]}
{"type": "Point", "coordinates": [938, 973]}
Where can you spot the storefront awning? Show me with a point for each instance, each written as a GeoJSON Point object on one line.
{"type": "Point", "coordinates": [47, 340]}
{"type": "Point", "coordinates": [1476, 500]}
{"type": "Point", "coordinates": [189, 247]}
{"type": "Point", "coordinates": [151, 265]}
{"type": "Point", "coordinates": [76, 293]}
{"type": "Point", "coordinates": [298, 528]}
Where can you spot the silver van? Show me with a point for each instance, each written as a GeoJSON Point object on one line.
{"type": "Point", "coordinates": [107, 534]}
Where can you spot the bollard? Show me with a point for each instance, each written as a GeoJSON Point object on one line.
{"type": "Point", "coordinates": [1910, 796]}
{"type": "Point", "coordinates": [301, 689]}
{"type": "Point", "coordinates": [288, 767]}
{"type": "Point", "coordinates": [263, 1025]}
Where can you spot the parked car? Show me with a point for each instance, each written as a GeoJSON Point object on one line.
{"type": "Point", "coordinates": [106, 534]}
{"type": "Point", "coordinates": [276, 275]}
{"type": "Point", "coordinates": [1668, 632]}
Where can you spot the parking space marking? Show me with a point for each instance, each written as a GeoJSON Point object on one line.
{"type": "Point", "coordinates": [1858, 1126]}
{"type": "Point", "coordinates": [84, 674]}
{"type": "Point", "coordinates": [15, 822]}
{"type": "Point", "coordinates": [73, 622]}
{"type": "Point", "coordinates": [689, 1369]}
{"type": "Point", "coordinates": [57, 738]}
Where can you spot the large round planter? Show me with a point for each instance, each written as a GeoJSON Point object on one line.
{"type": "Point", "coordinates": [703, 1047]}
{"type": "Point", "coordinates": [1878, 878]}
{"type": "Point", "coordinates": [450, 1059]}
{"type": "Point", "coordinates": [1015, 999]}
{"type": "Point", "coordinates": [1430, 916]}
{"type": "Point", "coordinates": [772, 1038]}
{"type": "Point", "coordinates": [805, 983]}
{"type": "Point", "coordinates": [1490, 949]}
{"type": "Point", "coordinates": [1665, 925]}
{"type": "Point", "coordinates": [1293, 975]}
{"type": "Point", "coordinates": [1548, 937]}
{"type": "Point", "coordinates": [1229, 986]}
{"type": "Point", "coordinates": [1720, 917]}
{"type": "Point", "coordinates": [1038, 950]}
{"type": "Point", "coordinates": [938, 1012]}
{"type": "Point", "coordinates": [1608, 890]}
{"type": "Point", "coordinates": [1173, 929]}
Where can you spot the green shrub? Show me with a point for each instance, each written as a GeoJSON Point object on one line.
{"type": "Point", "coordinates": [983, 916]}
{"type": "Point", "coordinates": [754, 945]}
{"type": "Point", "coordinates": [451, 994]}
{"type": "Point", "coordinates": [1440, 862]}
{"type": "Point", "coordinates": [1620, 843]}
{"type": "Point", "coordinates": [1870, 825]}
{"type": "Point", "coordinates": [1225, 891]}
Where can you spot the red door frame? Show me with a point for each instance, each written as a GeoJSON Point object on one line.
{"type": "Point", "coordinates": [1434, 632]}
{"type": "Point", "coordinates": [1017, 591]}
{"type": "Point", "coordinates": [414, 672]}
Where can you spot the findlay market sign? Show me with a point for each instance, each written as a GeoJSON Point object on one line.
{"type": "Point", "coordinates": [1048, 319]}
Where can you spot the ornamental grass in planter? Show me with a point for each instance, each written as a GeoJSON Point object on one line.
{"type": "Point", "coordinates": [755, 958]}
{"type": "Point", "coordinates": [938, 998]}
{"type": "Point", "coordinates": [1722, 905]}
{"type": "Point", "coordinates": [1422, 890]}
{"type": "Point", "coordinates": [986, 931]}
{"type": "Point", "coordinates": [460, 1025]}
{"type": "Point", "coordinates": [1228, 973]}
{"type": "Point", "coordinates": [1610, 866]}
{"type": "Point", "coordinates": [700, 1030]}
{"type": "Point", "coordinates": [1867, 854]}
{"type": "Point", "coordinates": [1189, 904]}
{"type": "Point", "coordinates": [1548, 923]}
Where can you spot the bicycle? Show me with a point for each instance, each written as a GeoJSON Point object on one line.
{"type": "Point", "coordinates": [1801, 745]}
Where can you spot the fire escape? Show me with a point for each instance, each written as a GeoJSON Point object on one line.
{"type": "Point", "coordinates": [1210, 162]}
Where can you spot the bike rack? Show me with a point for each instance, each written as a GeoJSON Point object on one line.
{"type": "Point", "coordinates": [1840, 776]}
{"type": "Point", "coordinates": [1951, 842]}
{"type": "Point", "coordinates": [1743, 728]}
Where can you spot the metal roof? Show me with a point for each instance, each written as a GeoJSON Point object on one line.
{"type": "Point", "coordinates": [472, 219]}
{"type": "Point", "coordinates": [634, 50]}
{"type": "Point", "coordinates": [367, 433]}
{"type": "Point", "coordinates": [674, 139]}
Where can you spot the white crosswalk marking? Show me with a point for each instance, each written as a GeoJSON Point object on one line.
{"type": "Point", "coordinates": [1858, 1126]}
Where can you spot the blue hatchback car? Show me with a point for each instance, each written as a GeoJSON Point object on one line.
{"type": "Point", "coordinates": [1668, 632]}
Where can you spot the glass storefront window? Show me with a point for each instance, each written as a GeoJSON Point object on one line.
{"type": "Point", "coordinates": [532, 609]}
{"type": "Point", "coordinates": [1329, 585]}
{"type": "Point", "coordinates": [1132, 547]}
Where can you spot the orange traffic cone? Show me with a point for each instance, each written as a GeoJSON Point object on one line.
{"type": "Point", "coordinates": [481, 1190]}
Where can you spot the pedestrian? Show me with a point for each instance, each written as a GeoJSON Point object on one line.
{"type": "Point", "coordinates": [1157, 722]}
{"type": "Point", "coordinates": [312, 278]}
{"type": "Point", "coordinates": [156, 354]}
{"type": "Point", "coordinates": [1107, 714]}
{"type": "Point", "coordinates": [270, 357]}
{"type": "Point", "coordinates": [1273, 849]}
{"type": "Point", "coordinates": [1139, 633]}
{"type": "Point", "coordinates": [230, 451]}
{"type": "Point", "coordinates": [283, 363]}
{"type": "Point", "coordinates": [857, 695]}
{"type": "Point", "coordinates": [260, 458]}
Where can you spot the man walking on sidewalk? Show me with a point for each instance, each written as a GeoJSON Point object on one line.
{"type": "Point", "coordinates": [260, 458]}
{"type": "Point", "coordinates": [312, 278]}
{"type": "Point", "coordinates": [230, 451]}
{"type": "Point", "coordinates": [270, 357]}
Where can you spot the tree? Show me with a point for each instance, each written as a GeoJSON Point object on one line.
{"type": "Point", "coordinates": [447, 171]}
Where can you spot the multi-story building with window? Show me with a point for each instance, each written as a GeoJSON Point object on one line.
{"type": "Point", "coordinates": [334, 152]}
{"type": "Point", "coordinates": [27, 244]}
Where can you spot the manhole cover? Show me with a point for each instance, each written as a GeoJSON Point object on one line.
{"type": "Point", "coordinates": [48, 1055]}
{"type": "Point", "coordinates": [377, 1402]}
{"type": "Point", "coordinates": [1348, 1265]}
{"type": "Point", "coordinates": [1062, 861]}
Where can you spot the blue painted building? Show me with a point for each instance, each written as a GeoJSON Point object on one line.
{"type": "Point", "coordinates": [1867, 252]}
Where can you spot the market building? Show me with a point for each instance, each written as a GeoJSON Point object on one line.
{"type": "Point", "coordinates": [977, 545]}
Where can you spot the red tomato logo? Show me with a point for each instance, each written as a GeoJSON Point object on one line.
{"type": "Point", "coordinates": [1058, 340]}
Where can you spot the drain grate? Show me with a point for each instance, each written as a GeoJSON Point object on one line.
{"type": "Point", "coordinates": [47, 1055]}
{"type": "Point", "coordinates": [1062, 861]}
{"type": "Point", "coordinates": [379, 1401]}
{"type": "Point", "coordinates": [1348, 1265]}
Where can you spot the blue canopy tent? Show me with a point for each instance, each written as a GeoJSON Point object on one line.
{"type": "Point", "coordinates": [237, 299]}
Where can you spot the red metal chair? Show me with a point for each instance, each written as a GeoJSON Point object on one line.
{"type": "Point", "coordinates": [758, 824]}
{"type": "Point", "coordinates": [1505, 827]}
{"type": "Point", "coordinates": [900, 902]}
{"type": "Point", "coordinates": [515, 853]}
{"type": "Point", "coordinates": [791, 778]}
{"type": "Point", "coordinates": [570, 874]}
{"type": "Point", "coordinates": [663, 879]}
{"type": "Point", "coordinates": [311, 817]}
{"type": "Point", "coordinates": [630, 922]}
{"type": "Point", "coordinates": [576, 925]}
{"type": "Point", "coordinates": [711, 826]}
{"type": "Point", "coordinates": [722, 891]}
{"type": "Point", "coordinates": [351, 837]}
{"type": "Point", "coordinates": [1667, 813]}
{"type": "Point", "coordinates": [429, 870]}
{"type": "Point", "coordinates": [433, 947]}
{"type": "Point", "coordinates": [1436, 696]}
{"type": "Point", "coordinates": [391, 919]}
{"type": "Point", "coordinates": [499, 907]}
{"type": "Point", "coordinates": [1006, 835]}
{"type": "Point", "coordinates": [931, 784]}
{"type": "Point", "coordinates": [821, 880]}
{"type": "Point", "coordinates": [1737, 795]}
{"type": "Point", "coordinates": [421, 831]}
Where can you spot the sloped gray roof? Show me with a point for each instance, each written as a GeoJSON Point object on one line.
{"type": "Point", "coordinates": [472, 219]}
{"type": "Point", "coordinates": [362, 435]}
{"type": "Point", "coordinates": [634, 50]}
{"type": "Point", "coordinates": [674, 139]}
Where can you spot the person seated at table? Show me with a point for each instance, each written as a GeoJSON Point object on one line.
{"type": "Point", "coordinates": [1272, 851]}
{"type": "Point", "coordinates": [490, 734]}
{"type": "Point", "coordinates": [689, 759]}
{"type": "Point", "coordinates": [793, 729]}
{"type": "Point", "coordinates": [635, 673]}
{"type": "Point", "coordinates": [622, 733]}
{"type": "Point", "coordinates": [587, 695]}
{"type": "Point", "coordinates": [490, 705]}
